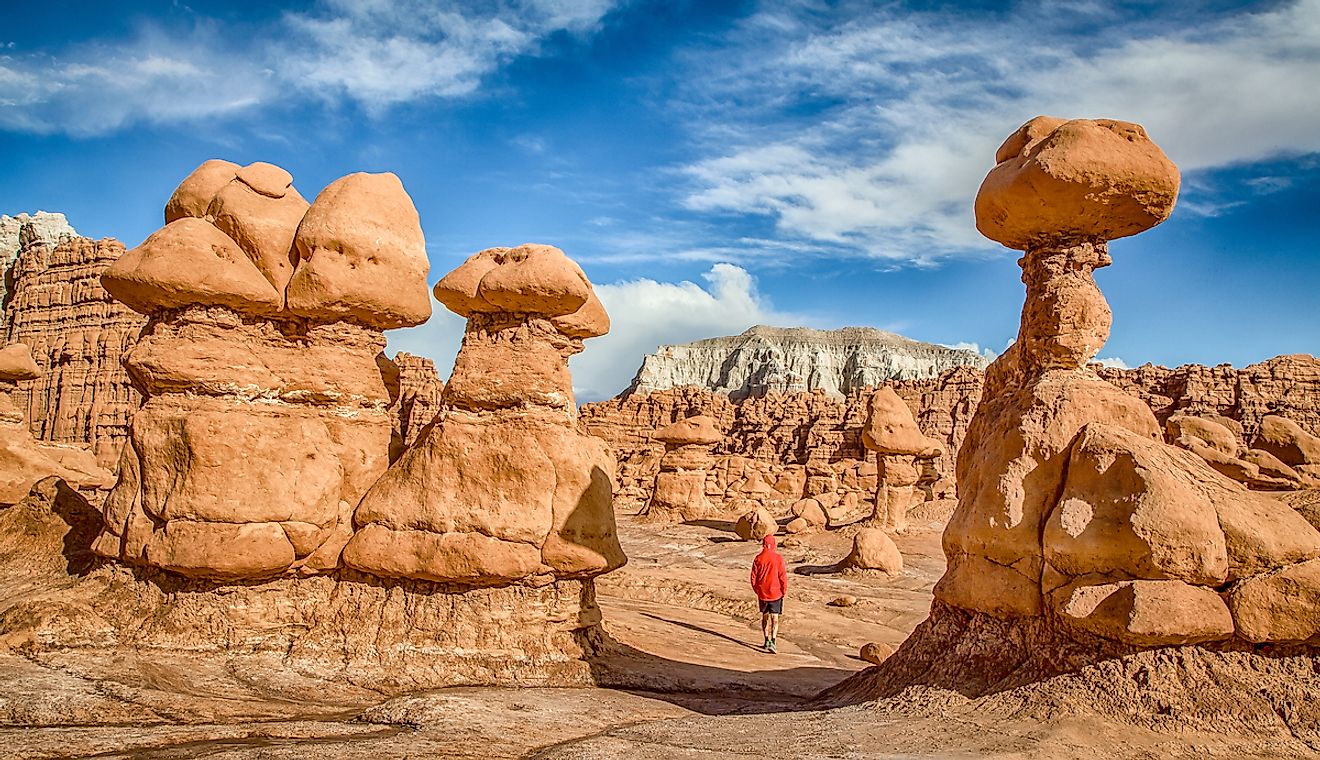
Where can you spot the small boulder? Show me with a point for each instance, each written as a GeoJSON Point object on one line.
{"type": "Point", "coordinates": [756, 525]}
{"type": "Point", "coordinates": [1287, 441]}
{"type": "Point", "coordinates": [810, 511]}
{"type": "Point", "coordinates": [875, 652]}
{"type": "Point", "coordinates": [1146, 613]}
{"type": "Point", "coordinates": [873, 549]}
{"type": "Point", "coordinates": [847, 600]}
{"type": "Point", "coordinates": [1280, 606]}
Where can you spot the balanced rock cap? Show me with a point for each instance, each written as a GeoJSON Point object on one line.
{"type": "Point", "coordinates": [194, 194]}
{"type": "Point", "coordinates": [890, 428]}
{"type": "Point", "coordinates": [190, 262]}
{"type": "Point", "coordinates": [693, 430]}
{"type": "Point", "coordinates": [361, 255]}
{"type": "Point", "coordinates": [529, 279]}
{"type": "Point", "coordinates": [16, 363]}
{"type": "Point", "coordinates": [1085, 179]}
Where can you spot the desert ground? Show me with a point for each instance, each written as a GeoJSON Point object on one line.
{"type": "Point", "coordinates": [684, 677]}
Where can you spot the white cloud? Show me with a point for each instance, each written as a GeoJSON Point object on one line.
{"type": "Point", "coordinates": [154, 78]}
{"type": "Point", "coordinates": [643, 315]}
{"type": "Point", "coordinates": [914, 107]}
{"type": "Point", "coordinates": [373, 52]}
{"type": "Point", "coordinates": [1113, 362]}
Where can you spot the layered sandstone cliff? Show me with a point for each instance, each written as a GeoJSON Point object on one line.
{"type": "Point", "coordinates": [794, 359]}
{"type": "Point", "coordinates": [23, 230]}
{"type": "Point", "coordinates": [78, 335]}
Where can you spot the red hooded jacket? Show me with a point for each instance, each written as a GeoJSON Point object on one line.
{"type": "Point", "coordinates": [769, 576]}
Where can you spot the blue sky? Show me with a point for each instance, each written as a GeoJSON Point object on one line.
{"type": "Point", "coordinates": [712, 164]}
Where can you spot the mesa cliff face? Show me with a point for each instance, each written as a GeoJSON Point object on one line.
{"type": "Point", "coordinates": [78, 335]}
{"type": "Point", "coordinates": [794, 359]}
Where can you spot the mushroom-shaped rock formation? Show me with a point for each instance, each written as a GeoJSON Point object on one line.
{"type": "Point", "coordinates": [1069, 500]}
{"type": "Point", "coordinates": [1080, 536]}
{"type": "Point", "coordinates": [24, 461]}
{"type": "Point", "coordinates": [503, 488]}
{"type": "Point", "coordinates": [680, 485]}
{"type": "Point", "coordinates": [503, 503]}
{"type": "Point", "coordinates": [263, 425]}
{"type": "Point", "coordinates": [892, 433]}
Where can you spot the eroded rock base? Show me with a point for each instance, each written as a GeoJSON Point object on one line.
{"type": "Point", "coordinates": [1029, 669]}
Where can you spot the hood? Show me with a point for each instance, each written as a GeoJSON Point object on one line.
{"type": "Point", "coordinates": [768, 543]}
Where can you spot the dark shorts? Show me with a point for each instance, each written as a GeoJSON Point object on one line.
{"type": "Point", "coordinates": [773, 608]}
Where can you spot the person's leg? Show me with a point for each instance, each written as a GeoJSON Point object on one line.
{"type": "Point", "coordinates": [774, 628]}
{"type": "Point", "coordinates": [765, 628]}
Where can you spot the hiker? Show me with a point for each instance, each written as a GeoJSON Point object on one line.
{"type": "Point", "coordinates": [769, 581]}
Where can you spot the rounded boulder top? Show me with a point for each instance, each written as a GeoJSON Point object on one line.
{"type": "Point", "coordinates": [891, 429]}
{"type": "Point", "coordinates": [1084, 179]}
{"type": "Point", "coordinates": [16, 364]}
{"type": "Point", "coordinates": [698, 430]}
{"type": "Point", "coordinates": [194, 194]}
{"type": "Point", "coordinates": [529, 279]}
{"type": "Point", "coordinates": [189, 262]}
{"type": "Point", "coordinates": [361, 255]}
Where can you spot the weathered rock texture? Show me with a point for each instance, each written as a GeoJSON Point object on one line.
{"type": "Point", "coordinates": [420, 389]}
{"type": "Point", "coordinates": [19, 232]}
{"type": "Point", "coordinates": [1070, 504]}
{"type": "Point", "coordinates": [789, 360]}
{"type": "Point", "coordinates": [24, 461]}
{"type": "Point", "coordinates": [265, 417]}
{"type": "Point", "coordinates": [78, 335]}
{"type": "Point", "coordinates": [502, 488]}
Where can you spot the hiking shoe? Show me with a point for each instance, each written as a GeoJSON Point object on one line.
{"type": "Point", "coordinates": [770, 647]}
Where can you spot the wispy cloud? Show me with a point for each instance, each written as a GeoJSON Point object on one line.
{"type": "Point", "coordinates": [874, 133]}
{"type": "Point", "coordinates": [375, 53]}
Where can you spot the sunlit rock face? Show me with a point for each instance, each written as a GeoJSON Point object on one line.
{"type": "Point", "coordinates": [266, 388]}
{"type": "Point", "coordinates": [788, 360]}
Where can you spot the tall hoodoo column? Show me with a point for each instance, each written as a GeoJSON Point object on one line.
{"type": "Point", "coordinates": [1070, 505]}
{"type": "Point", "coordinates": [1059, 191]}
{"type": "Point", "coordinates": [266, 386]}
{"type": "Point", "coordinates": [892, 433]}
{"type": "Point", "coordinates": [503, 489]}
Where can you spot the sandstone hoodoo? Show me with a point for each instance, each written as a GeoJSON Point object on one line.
{"type": "Point", "coordinates": [903, 450]}
{"type": "Point", "coordinates": [789, 360]}
{"type": "Point", "coordinates": [680, 485]}
{"type": "Point", "coordinates": [1079, 534]}
{"type": "Point", "coordinates": [502, 492]}
{"type": "Point", "coordinates": [266, 390]}
{"type": "Point", "coordinates": [23, 460]}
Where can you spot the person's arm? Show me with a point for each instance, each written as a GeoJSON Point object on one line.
{"type": "Point", "coordinates": [783, 574]}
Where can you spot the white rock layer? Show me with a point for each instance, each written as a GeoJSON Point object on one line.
{"type": "Point", "coordinates": [792, 359]}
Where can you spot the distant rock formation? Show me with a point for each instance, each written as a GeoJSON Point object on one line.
{"type": "Point", "coordinates": [766, 360]}
{"type": "Point", "coordinates": [420, 389]}
{"type": "Point", "coordinates": [78, 335]}
{"type": "Point", "coordinates": [24, 461]}
{"type": "Point", "coordinates": [19, 232]}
